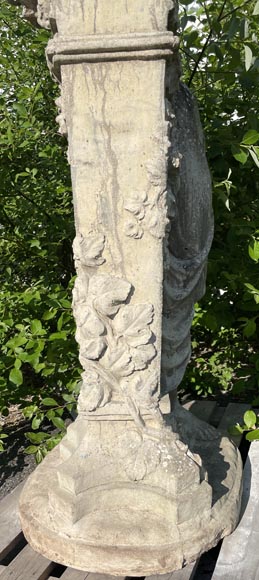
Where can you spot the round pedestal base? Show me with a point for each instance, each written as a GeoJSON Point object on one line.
{"type": "Point", "coordinates": [138, 508]}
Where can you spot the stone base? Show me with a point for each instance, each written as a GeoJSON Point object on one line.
{"type": "Point", "coordinates": [114, 500]}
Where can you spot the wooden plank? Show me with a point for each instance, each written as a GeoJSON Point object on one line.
{"type": "Point", "coordinates": [201, 409]}
{"type": "Point", "coordinates": [233, 414]}
{"type": "Point", "coordinates": [239, 555]}
{"type": "Point", "coordinates": [28, 565]}
{"type": "Point", "coordinates": [186, 573]}
{"type": "Point", "coordinates": [10, 528]}
{"type": "Point", "coordinates": [72, 574]}
{"type": "Point", "coordinates": [92, 576]}
{"type": "Point", "coordinates": [2, 568]}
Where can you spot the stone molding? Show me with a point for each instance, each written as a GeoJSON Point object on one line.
{"type": "Point", "coordinates": [109, 47]}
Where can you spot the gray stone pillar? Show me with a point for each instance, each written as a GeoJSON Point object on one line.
{"type": "Point", "coordinates": [128, 490]}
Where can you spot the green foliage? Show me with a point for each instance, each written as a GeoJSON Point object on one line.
{"type": "Point", "coordinates": [39, 360]}
{"type": "Point", "coordinates": [220, 58]}
{"type": "Point", "coordinates": [250, 426]}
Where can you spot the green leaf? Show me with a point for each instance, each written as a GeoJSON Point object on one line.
{"type": "Point", "coordinates": [248, 57]}
{"type": "Point", "coordinates": [49, 314]}
{"type": "Point", "coordinates": [18, 363]}
{"type": "Point", "coordinates": [239, 154]}
{"type": "Point", "coordinates": [58, 422]}
{"type": "Point", "coordinates": [253, 435]}
{"type": "Point", "coordinates": [38, 367]}
{"type": "Point", "coordinates": [36, 326]}
{"type": "Point", "coordinates": [28, 297]}
{"type": "Point", "coordinates": [36, 421]}
{"type": "Point", "coordinates": [60, 322]}
{"type": "Point", "coordinates": [256, 9]}
{"type": "Point", "coordinates": [49, 402]}
{"type": "Point", "coordinates": [35, 244]}
{"type": "Point", "coordinates": [249, 328]}
{"type": "Point", "coordinates": [18, 340]}
{"type": "Point", "coordinates": [251, 288]}
{"type": "Point", "coordinates": [39, 456]}
{"type": "Point", "coordinates": [65, 303]}
{"type": "Point", "coordinates": [235, 430]}
{"type": "Point", "coordinates": [253, 250]}
{"type": "Point", "coordinates": [31, 449]}
{"type": "Point", "coordinates": [51, 443]}
{"type": "Point", "coordinates": [29, 411]}
{"type": "Point", "coordinates": [16, 376]}
{"type": "Point", "coordinates": [50, 414]}
{"type": "Point", "coordinates": [250, 137]}
{"type": "Point", "coordinates": [254, 156]}
{"type": "Point", "coordinates": [69, 398]}
{"type": "Point", "coordinates": [37, 437]}
{"type": "Point", "coordinates": [250, 419]}
{"type": "Point", "coordinates": [62, 335]}
{"type": "Point", "coordinates": [48, 371]}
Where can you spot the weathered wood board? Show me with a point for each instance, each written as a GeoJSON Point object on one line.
{"type": "Point", "coordinates": [28, 565]}
{"type": "Point", "coordinates": [10, 529]}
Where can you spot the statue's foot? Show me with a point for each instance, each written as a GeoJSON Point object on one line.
{"type": "Point", "coordinates": [190, 428]}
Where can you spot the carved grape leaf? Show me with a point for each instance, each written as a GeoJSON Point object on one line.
{"type": "Point", "coordinates": [119, 361]}
{"type": "Point", "coordinates": [142, 355]}
{"type": "Point", "coordinates": [89, 333]}
{"type": "Point", "coordinates": [144, 390]}
{"type": "Point", "coordinates": [88, 249]}
{"type": "Point", "coordinates": [87, 318]}
{"type": "Point", "coordinates": [90, 348]}
{"type": "Point", "coordinates": [108, 293]}
{"type": "Point", "coordinates": [79, 291]}
{"type": "Point", "coordinates": [132, 322]}
{"type": "Point", "coordinates": [139, 456]}
{"type": "Point", "coordinates": [132, 350]}
{"type": "Point", "coordinates": [94, 392]}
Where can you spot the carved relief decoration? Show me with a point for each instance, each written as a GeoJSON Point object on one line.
{"type": "Point", "coordinates": [61, 120]}
{"type": "Point", "coordinates": [149, 212]}
{"type": "Point", "coordinates": [37, 12]}
{"type": "Point", "coordinates": [114, 337]}
{"type": "Point", "coordinates": [147, 215]}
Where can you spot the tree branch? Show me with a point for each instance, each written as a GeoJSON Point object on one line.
{"type": "Point", "coordinates": [234, 10]}
{"type": "Point", "coordinates": [207, 41]}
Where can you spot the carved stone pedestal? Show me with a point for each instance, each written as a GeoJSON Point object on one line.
{"type": "Point", "coordinates": [115, 500]}
{"type": "Point", "coordinates": [130, 490]}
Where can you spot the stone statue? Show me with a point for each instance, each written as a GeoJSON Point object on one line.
{"type": "Point", "coordinates": [133, 488]}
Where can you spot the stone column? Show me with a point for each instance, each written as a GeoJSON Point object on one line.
{"type": "Point", "coordinates": [128, 490]}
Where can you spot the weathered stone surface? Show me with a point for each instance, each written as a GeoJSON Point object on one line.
{"type": "Point", "coordinates": [114, 501]}
{"type": "Point", "coordinates": [130, 490]}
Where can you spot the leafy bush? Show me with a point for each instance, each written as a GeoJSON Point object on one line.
{"type": "Point", "coordinates": [39, 368]}
{"type": "Point", "coordinates": [39, 362]}
{"type": "Point", "coordinates": [220, 62]}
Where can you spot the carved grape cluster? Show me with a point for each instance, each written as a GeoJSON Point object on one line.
{"type": "Point", "coordinates": [149, 215]}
